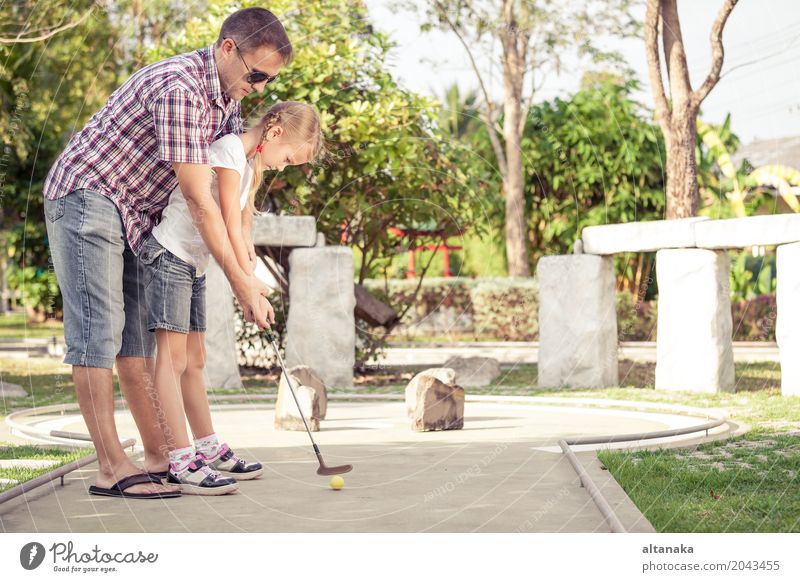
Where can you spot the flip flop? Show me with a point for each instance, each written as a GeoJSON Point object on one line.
{"type": "Point", "coordinates": [160, 474]}
{"type": "Point", "coordinates": [118, 488]}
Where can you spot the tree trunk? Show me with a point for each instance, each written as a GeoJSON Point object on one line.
{"type": "Point", "coordinates": [677, 115]}
{"type": "Point", "coordinates": [514, 190]}
{"type": "Point", "coordinates": [682, 192]}
{"type": "Point", "coordinates": [514, 49]}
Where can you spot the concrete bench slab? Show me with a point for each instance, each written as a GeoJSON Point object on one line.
{"type": "Point", "coordinates": [271, 230]}
{"type": "Point", "coordinates": [733, 233]}
{"type": "Point", "coordinates": [635, 237]}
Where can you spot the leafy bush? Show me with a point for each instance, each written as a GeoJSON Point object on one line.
{"type": "Point", "coordinates": [507, 308]}
{"type": "Point", "coordinates": [752, 276]}
{"type": "Point", "coordinates": [636, 320]}
{"type": "Point", "coordinates": [502, 307]}
{"type": "Point", "coordinates": [37, 288]}
{"type": "Point", "coordinates": [440, 304]}
{"type": "Point", "coordinates": [754, 320]}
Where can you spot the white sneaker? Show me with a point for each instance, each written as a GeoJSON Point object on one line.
{"type": "Point", "coordinates": [199, 479]}
{"type": "Point", "coordinates": [228, 463]}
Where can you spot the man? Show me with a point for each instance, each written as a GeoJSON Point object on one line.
{"type": "Point", "coordinates": [102, 197]}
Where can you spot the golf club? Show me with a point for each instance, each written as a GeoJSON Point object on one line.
{"type": "Point", "coordinates": [323, 469]}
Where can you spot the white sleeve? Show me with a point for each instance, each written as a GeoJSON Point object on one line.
{"type": "Point", "coordinates": [223, 155]}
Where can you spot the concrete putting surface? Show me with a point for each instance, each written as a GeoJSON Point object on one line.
{"type": "Point", "coordinates": [498, 474]}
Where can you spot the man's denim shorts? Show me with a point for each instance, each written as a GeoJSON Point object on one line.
{"type": "Point", "coordinates": [176, 297]}
{"type": "Point", "coordinates": [101, 281]}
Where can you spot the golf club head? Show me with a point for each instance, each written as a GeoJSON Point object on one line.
{"type": "Point", "coordinates": [323, 470]}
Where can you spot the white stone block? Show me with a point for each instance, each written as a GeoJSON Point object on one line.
{"type": "Point", "coordinates": [634, 237]}
{"type": "Point", "coordinates": [271, 230]}
{"type": "Point", "coordinates": [474, 372]}
{"type": "Point", "coordinates": [321, 330]}
{"type": "Point", "coordinates": [577, 322]}
{"type": "Point", "coordinates": [222, 357]}
{"type": "Point", "coordinates": [694, 351]}
{"type": "Point", "coordinates": [787, 327]}
{"type": "Point", "coordinates": [737, 233]}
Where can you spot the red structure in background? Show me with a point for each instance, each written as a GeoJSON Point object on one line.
{"type": "Point", "coordinates": [413, 248]}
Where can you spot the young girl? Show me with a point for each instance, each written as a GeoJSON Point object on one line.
{"type": "Point", "coordinates": [176, 259]}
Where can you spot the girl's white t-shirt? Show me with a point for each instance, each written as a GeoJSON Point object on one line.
{"type": "Point", "coordinates": [176, 232]}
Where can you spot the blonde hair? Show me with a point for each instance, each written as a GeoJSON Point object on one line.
{"type": "Point", "coordinates": [300, 123]}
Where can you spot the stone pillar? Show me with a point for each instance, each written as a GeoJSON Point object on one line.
{"type": "Point", "coordinates": [694, 350]}
{"type": "Point", "coordinates": [787, 330]}
{"type": "Point", "coordinates": [222, 358]}
{"type": "Point", "coordinates": [577, 322]}
{"type": "Point", "coordinates": [321, 330]}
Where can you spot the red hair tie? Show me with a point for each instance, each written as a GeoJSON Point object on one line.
{"type": "Point", "coordinates": [260, 148]}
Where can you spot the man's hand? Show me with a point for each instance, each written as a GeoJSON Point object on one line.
{"type": "Point", "coordinates": [251, 294]}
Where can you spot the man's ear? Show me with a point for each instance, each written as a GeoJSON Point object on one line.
{"type": "Point", "coordinates": [228, 46]}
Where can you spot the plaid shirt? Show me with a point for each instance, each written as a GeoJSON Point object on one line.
{"type": "Point", "coordinates": [167, 112]}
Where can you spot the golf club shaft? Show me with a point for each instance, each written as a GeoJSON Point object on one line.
{"type": "Point", "coordinates": [297, 402]}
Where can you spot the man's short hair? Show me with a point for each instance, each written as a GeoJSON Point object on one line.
{"type": "Point", "coordinates": [252, 28]}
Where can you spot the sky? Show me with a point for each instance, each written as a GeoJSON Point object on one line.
{"type": "Point", "coordinates": [760, 86]}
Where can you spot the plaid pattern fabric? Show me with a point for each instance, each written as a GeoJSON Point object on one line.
{"type": "Point", "coordinates": [167, 112]}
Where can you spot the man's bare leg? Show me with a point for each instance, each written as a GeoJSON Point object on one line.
{"type": "Point", "coordinates": [95, 390]}
{"type": "Point", "coordinates": [136, 381]}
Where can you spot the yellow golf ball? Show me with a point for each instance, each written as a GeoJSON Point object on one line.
{"type": "Point", "coordinates": [337, 482]}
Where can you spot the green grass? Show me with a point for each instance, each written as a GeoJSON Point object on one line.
{"type": "Point", "coordinates": [46, 380]}
{"type": "Point", "coordinates": [748, 484]}
{"type": "Point", "coordinates": [15, 326]}
{"type": "Point", "coordinates": [19, 474]}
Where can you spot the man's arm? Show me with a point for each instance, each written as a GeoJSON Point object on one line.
{"type": "Point", "coordinates": [247, 234]}
{"type": "Point", "coordinates": [229, 183]}
{"type": "Point", "coordinates": [195, 184]}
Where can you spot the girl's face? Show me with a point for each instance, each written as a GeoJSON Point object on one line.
{"type": "Point", "coordinates": [279, 151]}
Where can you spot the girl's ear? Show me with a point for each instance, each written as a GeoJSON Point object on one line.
{"type": "Point", "coordinates": [275, 132]}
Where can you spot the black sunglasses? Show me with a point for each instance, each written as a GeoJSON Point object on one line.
{"type": "Point", "coordinates": [254, 77]}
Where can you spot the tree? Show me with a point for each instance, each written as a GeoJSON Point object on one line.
{"type": "Point", "coordinates": [533, 35]}
{"type": "Point", "coordinates": [677, 115]}
{"type": "Point", "coordinates": [459, 113]}
{"type": "Point", "coordinates": [45, 92]}
{"type": "Point", "coordinates": [594, 158]}
{"type": "Point", "coordinates": [66, 59]}
{"type": "Point", "coordinates": [32, 30]}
